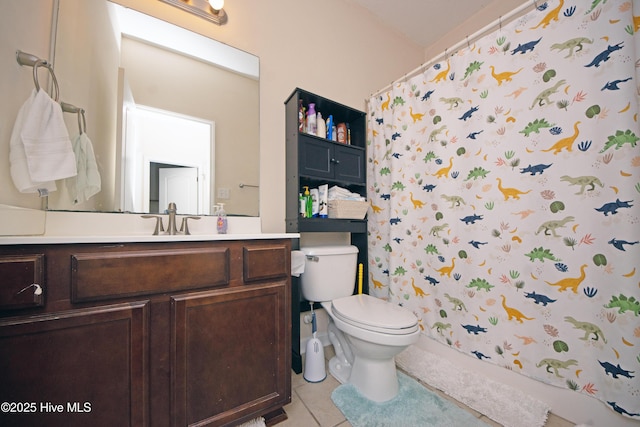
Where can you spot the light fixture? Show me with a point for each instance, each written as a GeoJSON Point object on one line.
{"type": "Point", "coordinates": [211, 10]}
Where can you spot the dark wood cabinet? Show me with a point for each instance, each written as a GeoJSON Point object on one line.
{"type": "Point", "coordinates": [146, 334]}
{"type": "Point", "coordinates": [312, 161]}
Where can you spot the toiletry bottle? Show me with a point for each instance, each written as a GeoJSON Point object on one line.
{"type": "Point", "coordinates": [321, 130]}
{"type": "Point", "coordinates": [330, 127]}
{"type": "Point", "coordinates": [221, 223]}
{"type": "Point", "coordinates": [342, 133]}
{"type": "Point", "coordinates": [315, 202]}
{"type": "Point", "coordinates": [308, 204]}
{"type": "Point", "coordinates": [348, 134]}
{"type": "Point", "coordinates": [312, 125]}
{"type": "Point", "coordinates": [301, 117]}
{"type": "Point", "coordinates": [301, 205]}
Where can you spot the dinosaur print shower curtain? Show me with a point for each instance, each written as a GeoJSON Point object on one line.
{"type": "Point", "coordinates": [504, 184]}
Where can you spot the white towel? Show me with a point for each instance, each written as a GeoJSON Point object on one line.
{"type": "Point", "coordinates": [46, 141]}
{"type": "Point", "coordinates": [17, 157]}
{"type": "Point", "coordinates": [87, 183]}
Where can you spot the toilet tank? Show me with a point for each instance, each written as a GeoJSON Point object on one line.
{"type": "Point", "coordinates": [329, 272]}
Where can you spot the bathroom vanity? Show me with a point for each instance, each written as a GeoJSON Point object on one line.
{"type": "Point", "coordinates": [145, 333]}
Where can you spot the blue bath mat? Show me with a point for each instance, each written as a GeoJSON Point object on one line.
{"type": "Point", "coordinates": [413, 406]}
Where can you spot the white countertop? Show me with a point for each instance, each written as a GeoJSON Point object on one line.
{"type": "Point", "coordinates": [32, 227]}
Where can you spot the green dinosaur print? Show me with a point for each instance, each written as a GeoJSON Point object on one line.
{"type": "Point", "coordinates": [594, 4]}
{"type": "Point", "coordinates": [453, 102]}
{"type": "Point", "coordinates": [474, 66]}
{"type": "Point", "coordinates": [541, 253]}
{"type": "Point", "coordinates": [429, 156]}
{"type": "Point", "coordinates": [622, 303]}
{"type": "Point", "coordinates": [398, 101]}
{"type": "Point", "coordinates": [439, 327]}
{"type": "Point", "coordinates": [480, 284]}
{"type": "Point", "coordinates": [431, 249]}
{"type": "Point", "coordinates": [454, 200]}
{"type": "Point", "coordinates": [556, 364]}
{"type": "Point", "coordinates": [398, 186]}
{"type": "Point", "coordinates": [458, 305]}
{"type": "Point", "coordinates": [588, 328]}
{"type": "Point", "coordinates": [400, 271]}
{"type": "Point", "coordinates": [535, 126]}
{"type": "Point", "coordinates": [553, 225]}
{"type": "Point", "coordinates": [436, 229]}
{"type": "Point", "coordinates": [477, 172]}
{"type": "Point", "coordinates": [619, 139]}
{"type": "Point", "coordinates": [582, 181]}
{"type": "Point", "coordinates": [385, 171]}
{"type": "Point", "coordinates": [571, 45]}
{"type": "Point", "coordinates": [543, 97]}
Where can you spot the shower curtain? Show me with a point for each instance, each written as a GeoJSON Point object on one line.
{"type": "Point", "coordinates": [504, 184]}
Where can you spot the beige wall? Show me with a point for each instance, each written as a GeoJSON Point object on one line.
{"type": "Point", "coordinates": [331, 48]}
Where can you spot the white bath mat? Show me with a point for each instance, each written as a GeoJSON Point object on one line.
{"type": "Point", "coordinates": [257, 422]}
{"type": "Point", "coordinates": [500, 402]}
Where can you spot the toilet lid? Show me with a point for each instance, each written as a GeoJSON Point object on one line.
{"type": "Point", "coordinates": [375, 314]}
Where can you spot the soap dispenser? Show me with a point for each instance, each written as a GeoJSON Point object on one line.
{"type": "Point", "coordinates": [221, 223]}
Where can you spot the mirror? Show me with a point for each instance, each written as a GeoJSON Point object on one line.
{"type": "Point", "coordinates": [205, 110]}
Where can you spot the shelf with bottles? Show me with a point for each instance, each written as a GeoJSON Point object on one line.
{"type": "Point", "coordinates": [349, 123]}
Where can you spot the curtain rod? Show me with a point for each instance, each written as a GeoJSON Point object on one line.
{"type": "Point", "coordinates": [472, 38]}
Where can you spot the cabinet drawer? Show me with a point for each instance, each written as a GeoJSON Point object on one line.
{"type": "Point", "coordinates": [21, 281]}
{"type": "Point", "coordinates": [104, 275]}
{"type": "Point", "coordinates": [260, 263]}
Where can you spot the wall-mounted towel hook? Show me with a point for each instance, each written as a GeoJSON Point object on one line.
{"type": "Point", "coordinates": [82, 121]}
{"type": "Point", "coordinates": [30, 60]}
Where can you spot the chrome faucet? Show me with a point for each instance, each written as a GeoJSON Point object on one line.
{"type": "Point", "coordinates": [171, 228]}
{"type": "Point", "coordinates": [171, 210]}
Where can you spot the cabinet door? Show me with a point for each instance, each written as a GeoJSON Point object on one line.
{"type": "Point", "coordinates": [230, 353]}
{"type": "Point", "coordinates": [22, 281]}
{"type": "Point", "coordinates": [349, 164]}
{"type": "Point", "coordinates": [316, 158]}
{"type": "Point", "coordinates": [77, 368]}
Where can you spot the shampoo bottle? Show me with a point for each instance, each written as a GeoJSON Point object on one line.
{"type": "Point", "coordinates": [315, 202]}
{"type": "Point", "coordinates": [312, 125]}
{"type": "Point", "coordinates": [321, 126]}
{"type": "Point", "coordinates": [221, 223]}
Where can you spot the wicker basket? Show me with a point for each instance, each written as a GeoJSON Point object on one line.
{"type": "Point", "coordinates": [348, 209]}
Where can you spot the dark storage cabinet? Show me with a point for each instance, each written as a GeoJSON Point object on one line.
{"type": "Point", "coordinates": [145, 334]}
{"type": "Point", "coordinates": [313, 161]}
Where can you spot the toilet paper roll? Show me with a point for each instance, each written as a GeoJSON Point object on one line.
{"type": "Point", "coordinates": [297, 263]}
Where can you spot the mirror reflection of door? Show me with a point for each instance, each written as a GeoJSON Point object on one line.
{"type": "Point", "coordinates": [163, 137]}
{"type": "Point", "coordinates": [173, 183]}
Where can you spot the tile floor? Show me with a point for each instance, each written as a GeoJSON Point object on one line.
{"type": "Point", "coordinates": [311, 405]}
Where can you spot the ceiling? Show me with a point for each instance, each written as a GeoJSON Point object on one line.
{"type": "Point", "coordinates": [426, 21]}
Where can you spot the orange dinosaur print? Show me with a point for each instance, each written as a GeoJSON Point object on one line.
{"type": "Point", "coordinates": [445, 170]}
{"type": "Point", "coordinates": [551, 16]}
{"type": "Point", "coordinates": [505, 76]}
{"type": "Point", "coordinates": [417, 204]}
{"type": "Point", "coordinates": [510, 192]}
{"type": "Point", "coordinates": [447, 269]}
{"type": "Point", "coordinates": [442, 75]}
{"type": "Point", "coordinates": [385, 104]}
{"type": "Point", "coordinates": [512, 312]}
{"type": "Point", "coordinates": [419, 292]}
{"type": "Point", "coordinates": [376, 284]}
{"type": "Point", "coordinates": [415, 116]}
{"type": "Point", "coordinates": [565, 143]}
{"type": "Point", "coordinates": [570, 282]}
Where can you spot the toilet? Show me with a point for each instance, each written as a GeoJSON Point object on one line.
{"type": "Point", "coordinates": [366, 332]}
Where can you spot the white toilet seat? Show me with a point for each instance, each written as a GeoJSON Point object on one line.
{"type": "Point", "coordinates": [374, 314]}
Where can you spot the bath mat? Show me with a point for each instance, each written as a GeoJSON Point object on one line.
{"type": "Point", "coordinates": [257, 422]}
{"type": "Point", "coordinates": [413, 406]}
{"type": "Point", "coordinates": [504, 404]}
